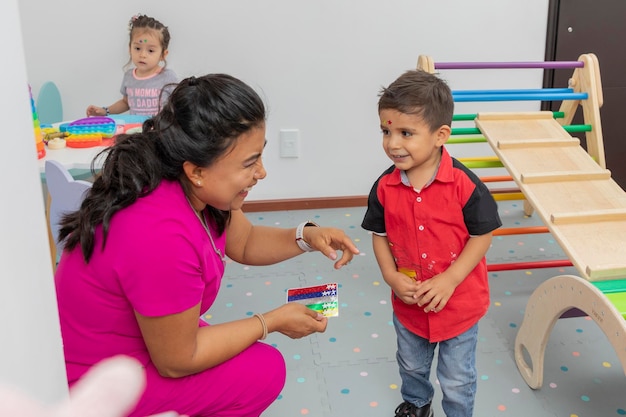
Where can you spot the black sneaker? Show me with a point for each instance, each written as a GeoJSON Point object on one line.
{"type": "Point", "coordinates": [407, 409]}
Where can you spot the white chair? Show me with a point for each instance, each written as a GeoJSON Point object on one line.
{"type": "Point", "coordinates": [49, 105]}
{"type": "Point", "coordinates": [65, 194]}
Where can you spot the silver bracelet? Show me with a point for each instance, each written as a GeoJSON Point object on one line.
{"type": "Point", "coordinates": [260, 317]}
{"type": "Point", "coordinates": [302, 244]}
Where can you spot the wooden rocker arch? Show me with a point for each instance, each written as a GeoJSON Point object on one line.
{"type": "Point", "coordinates": [545, 306]}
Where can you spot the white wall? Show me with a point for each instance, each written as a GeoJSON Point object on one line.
{"type": "Point", "coordinates": [31, 358]}
{"type": "Point", "coordinates": [318, 64]}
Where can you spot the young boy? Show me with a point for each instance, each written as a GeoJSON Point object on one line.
{"type": "Point", "coordinates": [431, 220]}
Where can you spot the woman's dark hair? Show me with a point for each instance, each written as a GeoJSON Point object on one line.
{"type": "Point", "coordinates": [201, 120]}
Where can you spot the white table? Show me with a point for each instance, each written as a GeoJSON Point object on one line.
{"type": "Point", "coordinates": [80, 158]}
{"type": "Point", "coordinates": [72, 158]}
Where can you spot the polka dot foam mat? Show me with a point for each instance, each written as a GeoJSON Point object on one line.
{"type": "Point", "coordinates": [350, 370]}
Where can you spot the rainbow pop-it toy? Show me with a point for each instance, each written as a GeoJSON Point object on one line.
{"type": "Point", "coordinates": [88, 132]}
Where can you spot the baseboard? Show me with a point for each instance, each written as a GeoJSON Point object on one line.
{"type": "Point", "coordinates": [305, 203]}
{"type": "Point", "coordinates": [323, 202]}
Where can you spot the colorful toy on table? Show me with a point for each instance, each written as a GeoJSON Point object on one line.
{"type": "Point", "coordinates": [133, 128]}
{"type": "Point", "coordinates": [89, 131]}
{"type": "Point", "coordinates": [53, 137]}
{"type": "Point", "coordinates": [56, 140]}
{"type": "Point", "coordinates": [128, 123]}
{"type": "Point", "coordinates": [41, 149]}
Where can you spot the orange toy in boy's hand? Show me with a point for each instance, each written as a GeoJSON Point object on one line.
{"type": "Point", "coordinates": [408, 272]}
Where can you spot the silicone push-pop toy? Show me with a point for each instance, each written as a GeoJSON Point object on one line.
{"type": "Point", "coordinates": [89, 132]}
{"type": "Point", "coordinates": [41, 149]}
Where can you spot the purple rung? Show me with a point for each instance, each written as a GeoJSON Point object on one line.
{"type": "Point", "coordinates": [500, 65]}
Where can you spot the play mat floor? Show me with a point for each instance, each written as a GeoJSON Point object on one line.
{"type": "Point", "coordinates": [350, 370]}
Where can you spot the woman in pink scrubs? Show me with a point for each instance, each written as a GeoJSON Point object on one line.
{"type": "Point", "coordinates": [144, 257]}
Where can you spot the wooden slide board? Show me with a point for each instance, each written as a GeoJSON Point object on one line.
{"type": "Point", "coordinates": [582, 206]}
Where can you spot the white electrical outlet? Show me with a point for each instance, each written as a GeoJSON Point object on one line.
{"type": "Point", "coordinates": [289, 143]}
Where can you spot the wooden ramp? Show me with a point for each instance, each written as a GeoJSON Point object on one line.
{"type": "Point", "coordinates": [584, 209]}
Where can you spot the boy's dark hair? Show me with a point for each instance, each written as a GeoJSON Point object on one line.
{"type": "Point", "coordinates": [422, 94]}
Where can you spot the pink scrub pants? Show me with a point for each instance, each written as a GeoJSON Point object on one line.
{"type": "Point", "coordinates": [243, 386]}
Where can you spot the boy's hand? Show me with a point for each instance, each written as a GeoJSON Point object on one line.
{"type": "Point", "coordinates": [403, 287]}
{"type": "Point", "coordinates": [433, 294]}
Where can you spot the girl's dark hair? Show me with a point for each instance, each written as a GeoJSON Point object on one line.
{"type": "Point", "coordinates": [201, 120]}
{"type": "Point", "coordinates": [142, 23]}
{"type": "Point", "coordinates": [422, 94]}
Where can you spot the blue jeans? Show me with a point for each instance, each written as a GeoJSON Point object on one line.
{"type": "Point", "coordinates": [456, 369]}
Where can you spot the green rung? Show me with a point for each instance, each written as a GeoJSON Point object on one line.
{"type": "Point", "coordinates": [482, 164]}
{"type": "Point", "coordinates": [476, 131]}
{"type": "Point", "coordinates": [463, 117]}
{"type": "Point", "coordinates": [615, 292]}
{"type": "Point", "coordinates": [465, 131]}
{"type": "Point", "coordinates": [472, 116]}
{"type": "Point", "coordinates": [577, 128]}
{"type": "Point", "coordinates": [618, 299]}
{"type": "Point", "coordinates": [611, 286]}
{"type": "Point", "coordinates": [474, 139]}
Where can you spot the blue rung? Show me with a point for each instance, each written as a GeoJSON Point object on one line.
{"type": "Point", "coordinates": [515, 91]}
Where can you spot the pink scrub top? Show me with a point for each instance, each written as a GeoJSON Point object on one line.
{"type": "Point", "coordinates": [157, 261]}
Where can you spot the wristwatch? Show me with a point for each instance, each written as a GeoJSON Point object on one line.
{"type": "Point", "coordinates": [302, 244]}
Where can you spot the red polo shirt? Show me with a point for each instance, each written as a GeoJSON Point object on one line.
{"type": "Point", "coordinates": [427, 230]}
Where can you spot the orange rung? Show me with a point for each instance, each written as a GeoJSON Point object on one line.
{"type": "Point", "coordinates": [497, 178]}
{"type": "Point", "coordinates": [520, 230]}
{"type": "Point", "coordinates": [528, 265]}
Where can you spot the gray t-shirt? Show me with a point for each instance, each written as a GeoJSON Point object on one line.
{"type": "Point", "coordinates": [143, 93]}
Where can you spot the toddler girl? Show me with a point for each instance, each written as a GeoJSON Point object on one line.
{"type": "Point", "coordinates": [147, 85]}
